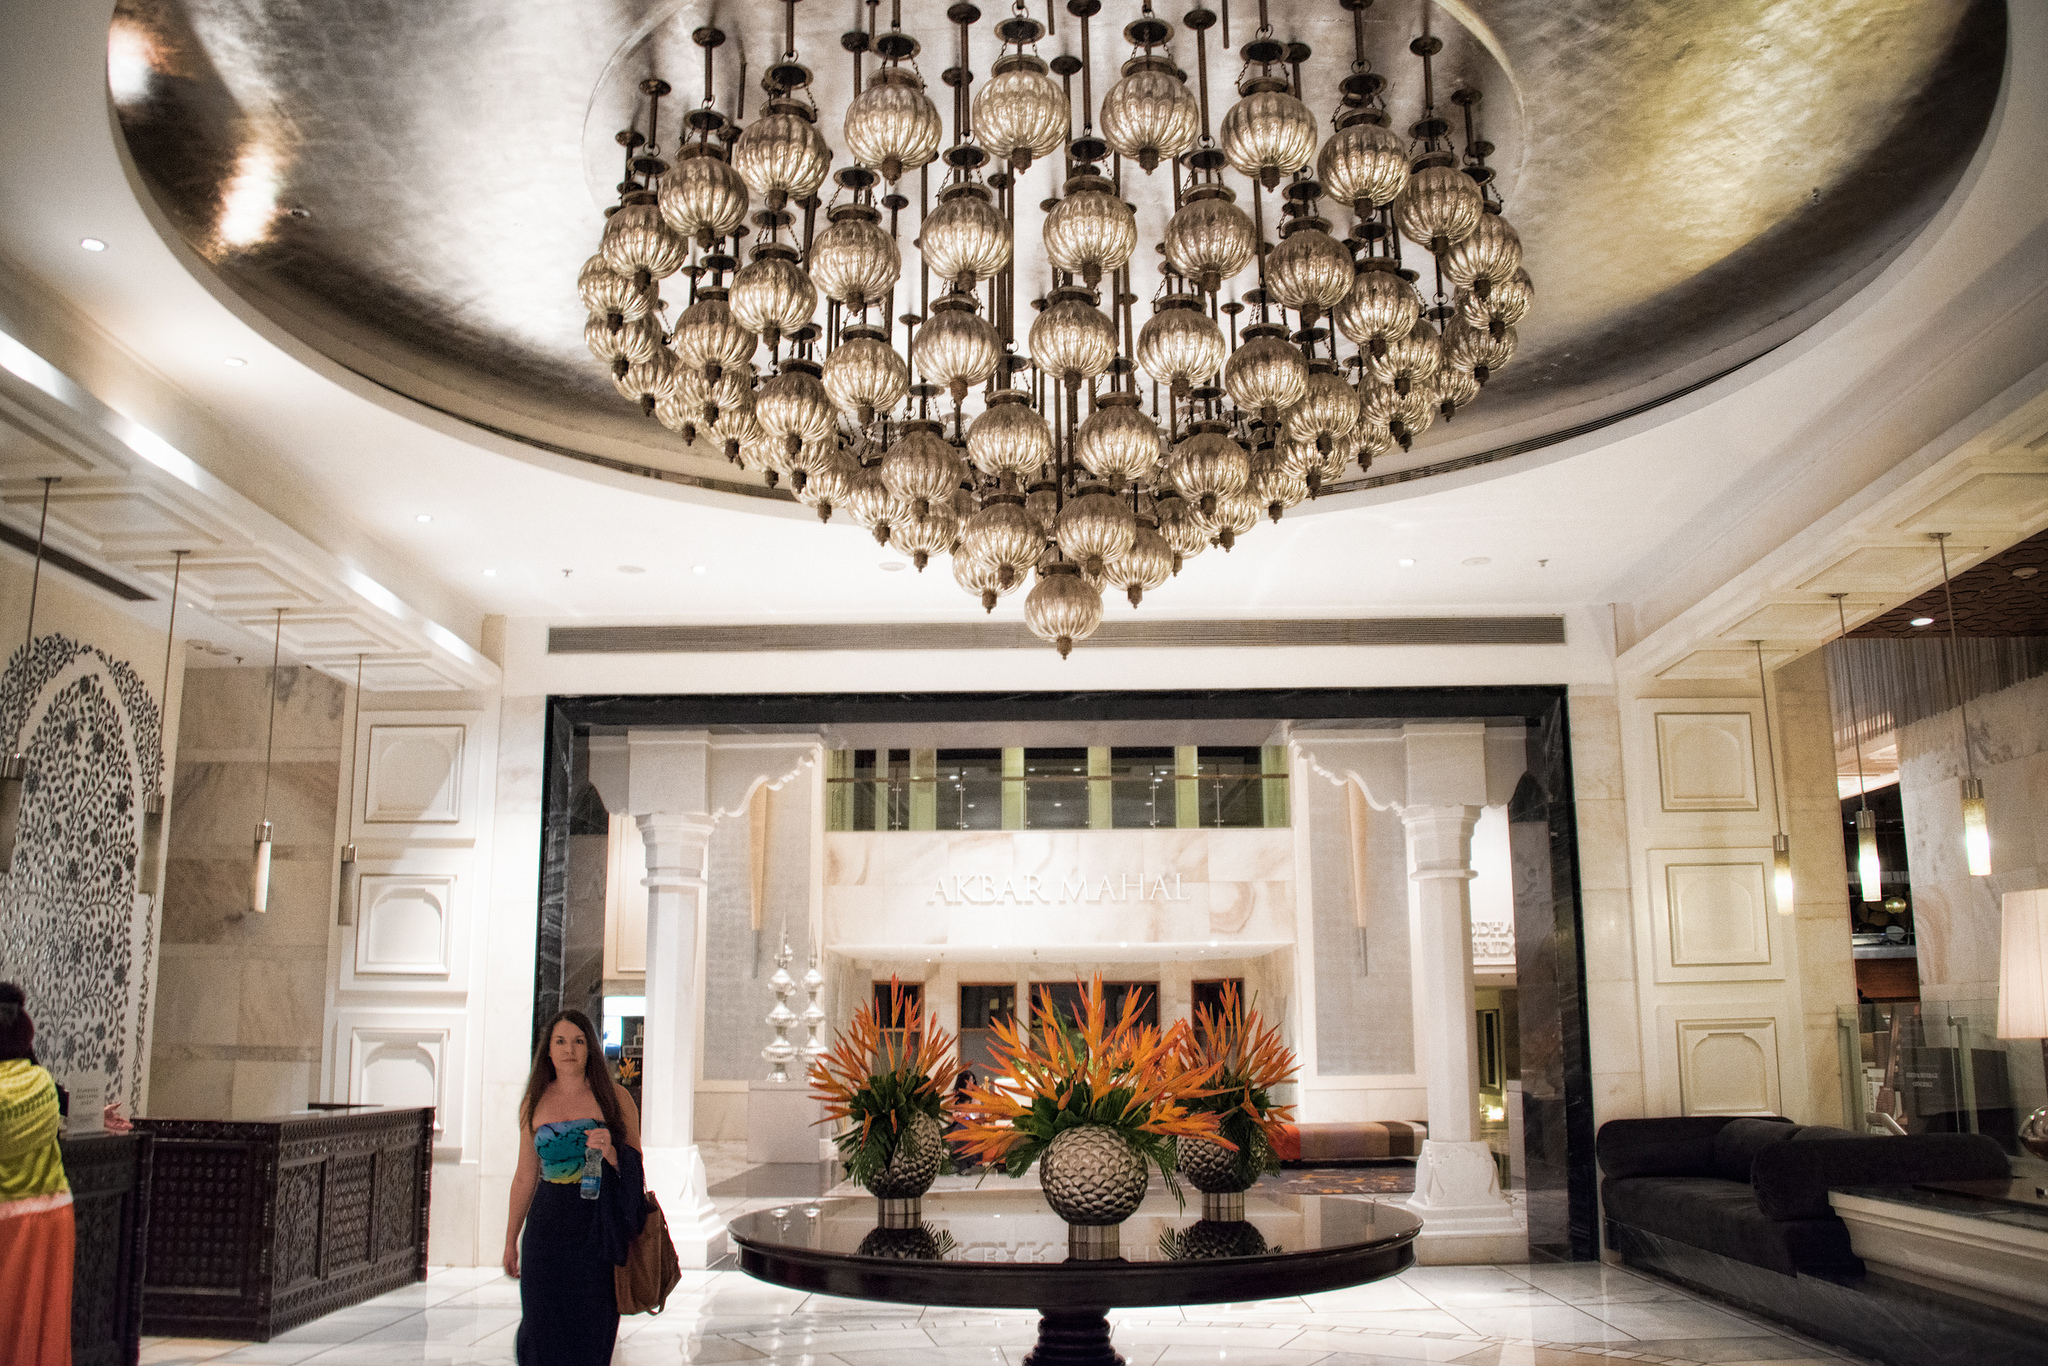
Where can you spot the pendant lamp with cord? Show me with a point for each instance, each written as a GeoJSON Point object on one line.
{"type": "Point", "coordinates": [153, 804]}
{"type": "Point", "coordinates": [14, 767]}
{"type": "Point", "coordinates": [1781, 846]}
{"type": "Point", "coordinates": [345, 892]}
{"type": "Point", "coordinates": [1868, 870]}
{"type": "Point", "coordinates": [259, 874]}
{"type": "Point", "coordinates": [1976, 820]}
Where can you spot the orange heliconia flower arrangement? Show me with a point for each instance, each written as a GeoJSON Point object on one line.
{"type": "Point", "coordinates": [877, 1075]}
{"type": "Point", "coordinates": [1065, 1072]}
{"type": "Point", "coordinates": [1245, 1059]}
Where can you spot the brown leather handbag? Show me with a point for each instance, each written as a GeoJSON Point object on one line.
{"type": "Point", "coordinates": [651, 1270]}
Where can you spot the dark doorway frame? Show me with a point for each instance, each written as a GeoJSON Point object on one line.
{"type": "Point", "coordinates": [1557, 1097]}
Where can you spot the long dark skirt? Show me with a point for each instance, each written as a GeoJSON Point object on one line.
{"type": "Point", "coordinates": [569, 1310]}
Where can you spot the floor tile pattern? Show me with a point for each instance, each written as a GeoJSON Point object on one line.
{"type": "Point", "coordinates": [1584, 1314]}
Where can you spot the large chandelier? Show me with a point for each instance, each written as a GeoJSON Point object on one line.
{"type": "Point", "coordinates": [1103, 452]}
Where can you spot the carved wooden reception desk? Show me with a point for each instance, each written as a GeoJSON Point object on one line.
{"type": "Point", "coordinates": [257, 1226]}
{"type": "Point", "coordinates": [109, 1176]}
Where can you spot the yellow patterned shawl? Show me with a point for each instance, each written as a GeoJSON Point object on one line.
{"type": "Point", "coordinates": [31, 1162]}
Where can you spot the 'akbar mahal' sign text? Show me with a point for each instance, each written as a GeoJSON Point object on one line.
{"type": "Point", "coordinates": [985, 889]}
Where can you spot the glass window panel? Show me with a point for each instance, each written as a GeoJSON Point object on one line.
{"type": "Point", "coordinates": [1141, 790]}
{"type": "Point", "coordinates": [970, 790]}
{"type": "Point", "coordinates": [1055, 789]}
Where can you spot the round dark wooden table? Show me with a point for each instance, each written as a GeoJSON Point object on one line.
{"type": "Point", "coordinates": [1006, 1250]}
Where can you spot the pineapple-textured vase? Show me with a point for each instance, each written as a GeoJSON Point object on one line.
{"type": "Point", "coordinates": [1209, 1167]}
{"type": "Point", "coordinates": [914, 1165]}
{"type": "Point", "coordinates": [1092, 1177]}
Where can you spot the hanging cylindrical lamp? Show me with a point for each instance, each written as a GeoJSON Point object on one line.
{"type": "Point", "coordinates": [347, 884]}
{"type": "Point", "coordinates": [14, 768]}
{"type": "Point", "coordinates": [1780, 846]}
{"type": "Point", "coordinates": [259, 872]}
{"type": "Point", "coordinates": [153, 804]}
{"type": "Point", "coordinates": [1976, 820]}
{"type": "Point", "coordinates": [1869, 872]}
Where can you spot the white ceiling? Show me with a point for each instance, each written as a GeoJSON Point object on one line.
{"type": "Point", "coordinates": [1622, 516]}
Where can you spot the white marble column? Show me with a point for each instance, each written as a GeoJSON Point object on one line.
{"type": "Point", "coordinates": [1457, 1187]}
{"type": "Point", "coordinates": [676, 848]}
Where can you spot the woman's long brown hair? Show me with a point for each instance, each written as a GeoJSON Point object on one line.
{"type": "Point", "coordinates": [594, 1071]}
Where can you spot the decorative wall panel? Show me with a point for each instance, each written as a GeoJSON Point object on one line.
{"type": "Point", "coordinates": [404, 924]}
{"type": "Point", "coordinates": [1706, 761]}
{"type": "Point", "coordinates": [409, 1057]}
{"type": "Point", "coordinates": [1728, 1066]}
{"type": "Point", "coordinates": [1711, 915]}
{"type": "Point", "coordinates": [74, 931]}
{"type": "Point", "coordinates": [413, 775]}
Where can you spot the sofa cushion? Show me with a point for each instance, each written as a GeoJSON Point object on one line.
{"type": "Point", "coordinates": [1673, 1146]}
{"type": "Point", "coordinates": [1791, 1180]}
{"type": "Point", "coordinates": [1809, 1133]}
{"type": "Point", "coordinates": [1722, 1216]}
{"type": "Point", "coordinates": [1740, 1140]}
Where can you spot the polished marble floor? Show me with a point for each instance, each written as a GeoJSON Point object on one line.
{"type": "Point", "coordinates": [1557, 1315]}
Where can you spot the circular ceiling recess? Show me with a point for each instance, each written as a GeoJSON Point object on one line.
{"type": "Point", "coordinates": [411, 190]}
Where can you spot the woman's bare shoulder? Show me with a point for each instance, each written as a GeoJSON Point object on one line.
{"type": "Point", "coordinates": [559, 1105]}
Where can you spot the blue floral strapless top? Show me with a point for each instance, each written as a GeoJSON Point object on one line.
{"type": "Point", "coordinates": [561, 1149]}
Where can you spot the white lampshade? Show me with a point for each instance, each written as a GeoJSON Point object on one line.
{"type": "Point", "coordinates": [2023, 966]}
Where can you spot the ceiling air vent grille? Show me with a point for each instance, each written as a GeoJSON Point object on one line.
{"type": "Point", "coordinates": [605, 640]}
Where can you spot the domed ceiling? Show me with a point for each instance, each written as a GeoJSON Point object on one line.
{"type": "Point", "coordinates": [412, 189]}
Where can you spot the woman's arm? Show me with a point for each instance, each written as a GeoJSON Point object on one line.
{"type": "Point", "coordinates": [600, 1138]}
{"type": "Point", "coordinates": [524, 1179]}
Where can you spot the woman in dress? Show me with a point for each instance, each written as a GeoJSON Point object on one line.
{"type": "Point", "coordinates": [569, 1312]}
{"type": "Point", "coordinates": [36, 1232]}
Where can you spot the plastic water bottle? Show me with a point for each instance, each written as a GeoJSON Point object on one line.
{"type": "Point", "coordinates": [593, 1173]}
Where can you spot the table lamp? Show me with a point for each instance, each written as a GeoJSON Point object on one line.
{"type": "Point", "coordinates": [2023, 990]}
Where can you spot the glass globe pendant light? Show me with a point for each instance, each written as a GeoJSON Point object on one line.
{"type": "Point", "coordinates": [702, 196]}
{"type": "Point", "coordinates": [965, 240]}
{"type": "Point", "coordinates": [1327, 409]}
{"type": "Point", "coordinates": [1409, 359]}
{"type": "Point", "coordinates": [1507, 303]}
{"type": "Point", "coordinates": [1004, 536]}
{"type": "Point", "coordinates": [921, 469]}
{"type": "Point", "coordinates": [1208, 465]}
{"type": "Point", "coordinates": [1071, 338]}
{"type": "Point", "coordinates": [770, 295]}
{"type": "Point", "coordinates": [1382, 306]}
{"type": "Point", "coordinates": [1265, 374]}
{"type": "Point", "coordinates": [620, 341]}
{"type": "Point", "coordinates": [1021, 114]}
{"type": "Point", "coordinates": [1089, 230]}
{"type": "Point", "coordinates": [864, 375]}
{"type": "Point", "coordinates": [1403, 416]}
{"type": "Point", "coordinates": [923, 535]}
{"type": "Point", "coordinates": [608, 294]}
{"type": "Point", "coordinates": [1009, 437]}
{"type": "Point", "coordinates": [981, 578]}
{"type": "Point", "coordinates": [782, 156]}
{"type": "Point", "coordinates": [1477, 350]}
{"type": "Point", "coordinates": [1149, 115]}
{"type": "Point", "coordinates": [1180, 346]}
{"type": "Point", "coordinates": [892, 126]}
{"type": "Point", "coordinates": [1364, 164]}
{"type": "Point", "coordinates": [709, 338]}
{"type": "Point", "coordinates": [1148, 564]}
{"type": "Point", "coordinates": [1268, 133]}
{"type": "Point", "coordinates": [1209, 239]}
{"type": "Point", "coordinates": [956, 347]}
{"type": "Point", "coordinates": [793, 406]}
{"type": "Point", "coordinates": [1308, 271]}
{"type": "Point", "coordinates": [1119, 444]}
{"type": "Point", "coordinates": [1094, 527]}
{"type": "Point", "coordinates": [647, 382]}
{"type": "Point", "coordinates": [1489, 257]}
{"type": "Point", "coordinates": [1062, 606]}
{"type": "Point", "coordinates": [854, 261]}
{"type": "Point", "coordinates": [638, 244]}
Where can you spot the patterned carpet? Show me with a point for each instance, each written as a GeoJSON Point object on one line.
{"type": "Point", "coordinates": [1366, 1178]}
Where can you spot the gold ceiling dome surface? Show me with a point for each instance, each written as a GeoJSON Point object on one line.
{"type": "Point", "coordinates": [1460, 165]}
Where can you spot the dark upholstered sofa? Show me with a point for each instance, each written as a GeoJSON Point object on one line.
{"type": "Point", "coordinates": [1756, 1190]}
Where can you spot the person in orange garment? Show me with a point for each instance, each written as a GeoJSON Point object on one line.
{"type": "Point", "coordinates": [36, 1232]}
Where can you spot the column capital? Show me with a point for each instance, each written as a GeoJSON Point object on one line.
{"type": "Point", "coordinates": [1440, 840]}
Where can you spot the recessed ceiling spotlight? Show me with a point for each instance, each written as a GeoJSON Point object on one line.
{"type": "Point", "coordinates": [233, 362]}
{"type": "Point", "coordinates": [892, 566]}
{"type": "Point", "coordinates": [490, 573]}
{"type": "Point", "coordinates": [1480, 559]}
{"type": "Point", "coordinates": [1923, 621]}
{"type": "Point", "coordinates": [700, 569]}
{"type": "Point", "coordinates": [92, 244]}
{"type": "Point", "coordinates": [424, 517]}
{"type": "Point", "coordinates": [631, 569]}
{"type": "Point", "coordinates": [1406, 564]}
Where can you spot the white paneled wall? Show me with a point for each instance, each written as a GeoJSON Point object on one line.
{"type": "Point", "coordinates": [1720, 998]}
{"type": "Point", "coordinates": [408, 961]}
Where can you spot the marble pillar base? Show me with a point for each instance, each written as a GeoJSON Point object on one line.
{"type": "Point", "coordinates": [1466, 1220]}
{"type": "Point", "coordinates": [676, 1176]}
